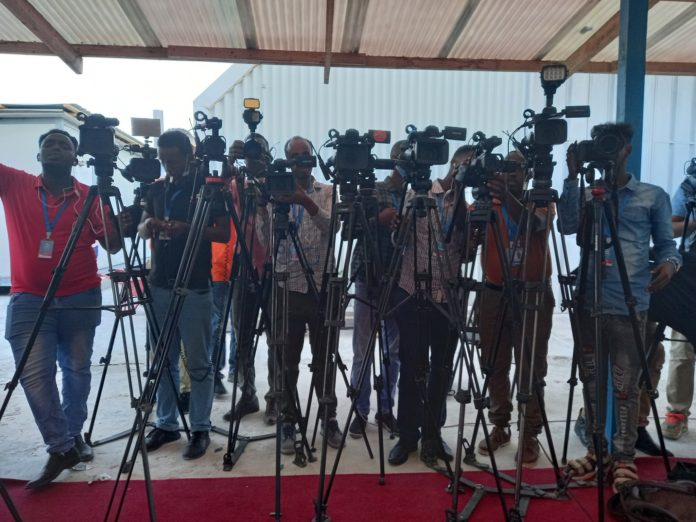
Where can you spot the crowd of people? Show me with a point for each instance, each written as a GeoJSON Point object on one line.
{"type": "Point", "coordinates": [418, 337]}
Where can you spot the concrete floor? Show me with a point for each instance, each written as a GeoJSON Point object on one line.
{"type": "Point", "coordinates": [22, 452]}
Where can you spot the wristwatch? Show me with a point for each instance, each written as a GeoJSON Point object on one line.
{"type": "Point", "coordinates": [675, 262]}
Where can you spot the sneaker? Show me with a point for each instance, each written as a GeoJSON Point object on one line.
{"type": "Point", "coordinates": [388, 422]}
{"type": "Point", "coordinates": [357, 426]}
{"type": "Point", "coordinates": [675, 425]}
{"type": "Point", "coordinates": [530, 451]}
{"type": "Point", "coordinates": [333, 434]}
{"type": "Point", "coordinates": [498, 438]}
{"type": "Point", "coordinates": [269, 414]}
{"type": "Point", "coordinates": [287, 440]}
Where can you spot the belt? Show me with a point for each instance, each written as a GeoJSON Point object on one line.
{"type": "Point", "coordinates": [493, 286]}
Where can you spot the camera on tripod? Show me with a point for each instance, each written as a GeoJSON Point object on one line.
{"type": "Point", "coordinates": [430, 146]}
{"type": "Point", "coordinates": [146, 168]}
{"type": "Point", "coordinates": [353, 151]}
{"type": "Point", "coordinates": [280, 181]}
{"type": "Point", "coordinates": [97, 140]}
{"type": "Point", "coordinates": [602, 148]}
{"type": "Point", "coordinates": [213, 146]}
{"type": "Point", "coordinates": [485, 163]}
{"type": "Point", "coordinates": [549, 127]}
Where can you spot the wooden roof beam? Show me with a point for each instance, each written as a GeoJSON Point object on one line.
{"type": "Point", "coordinates": [137, 18]}
{"type": "Point", "coordinates": [458, 28]}
{"type": "Point", "coordinates": [598, 41]}
{"type": "Point", "coordinates": [44, 31]}
{"type": "Point", "coordinates": [356, 13]}
{"type": "Point", "coordinates": [328, 42]}
{"type": "Point", "coordinates": [246, 18]}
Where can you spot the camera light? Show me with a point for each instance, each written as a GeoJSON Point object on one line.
{"type": "Point", "coordinates": [554, 73]}
{"type": "Point", "coordinates": [252, 103]}
{"type": "Point", "coordinates": [380, 136]}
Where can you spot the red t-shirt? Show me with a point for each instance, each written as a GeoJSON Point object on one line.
{"type": "Point", "coordinates": [21, 197]}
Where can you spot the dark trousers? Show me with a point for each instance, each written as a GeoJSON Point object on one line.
{"type": "Point", "coordinates": [302, 314]}
{"type": "Point", "coordinates": [494, 325]}
{"type": "Point", "coordinates": [426, 352]}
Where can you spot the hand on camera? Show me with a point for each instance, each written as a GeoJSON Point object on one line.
{"type": "Point", "coordinates": [574, 166]}
{"type": "Point", "coordinates": [497, 187]}
{"type": "Point", "coordinates": [661, 276]}
{"type": "Point", "coordinates": [177, 228]}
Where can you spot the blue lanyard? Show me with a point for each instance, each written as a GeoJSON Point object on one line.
{"type": "Point", "coordinates": [168, 204]}
{"type": "Point", "coordinates": [395, 200]}
{"type": "Point", "coordinates": [511, 227]}
{"type": "Point", "coordinates": [51, 224]}
{"type": "Point", "coordinates": [440, 199]}
{"type": "Point", "coordinates": [297, 215]}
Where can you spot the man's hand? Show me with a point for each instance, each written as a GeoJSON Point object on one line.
{"type": "Point", "coordinates": [574, 166]}
{"type": "Point", "coordinates": [496, 186]}
{"type": "Point", "coordinates": [299, 197]}
{"type": "Point", "coordinates": [389, 218]}
{"type": "Point", "coordinates": [661, 275]}
{"type": "Point", "coordinates": [177, 228]}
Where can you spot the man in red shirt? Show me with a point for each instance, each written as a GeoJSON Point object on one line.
{"type": "Point", "coordinates": [40, 212]}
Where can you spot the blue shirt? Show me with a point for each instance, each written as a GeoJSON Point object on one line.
{"type": "Point", "coordinates": [679, 209]}
{"type": "Point", "coordinates": [645, 213]}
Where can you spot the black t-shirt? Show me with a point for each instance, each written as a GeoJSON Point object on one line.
{"type": "Point", "coordinates": [177, 201]}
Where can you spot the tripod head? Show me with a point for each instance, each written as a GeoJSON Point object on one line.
{"type": "Point", "coordinates": [213, 146]}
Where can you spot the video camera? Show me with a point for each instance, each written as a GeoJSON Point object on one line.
{"type": "Point", "coordinates": [213, 146]}
{"type": "Point", "coordinates": [280, 181]}
{"type": "Point", "coordinates": [353, 151]}
{"type": "Point", "coordinates": [430, 146]}
{"type": "Point", "coordinates": [146, 168]}
{"type": "Point", "coordinates": [485, 163]}
{"type": "Point", "coordinates": [549, 127]}
{"type": "Point", "coordinates": [97, 135]}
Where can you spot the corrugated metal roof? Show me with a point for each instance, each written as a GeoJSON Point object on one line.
{"type": "Point", "coordinates": [455, 34]}
{"type": "Point", "coordinates": [680, 45]}
{"type": "Point", "coordinates": [516, 30]}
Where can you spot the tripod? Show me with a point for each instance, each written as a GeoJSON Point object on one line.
{"type": "Point", "coordinates": [168, 333]}
{"type": "Point", "coordinates": [602, 212]}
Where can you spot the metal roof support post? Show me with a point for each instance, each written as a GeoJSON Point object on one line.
{"type": "Point", "coordinates": [633, 30]}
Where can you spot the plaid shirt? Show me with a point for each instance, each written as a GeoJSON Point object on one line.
{"type": "Point", "coordinates": [428, 251]}
{"type": "Point", "coordinates": [313, 233]}
{"type": "Point", "coordinates": [388, 196]}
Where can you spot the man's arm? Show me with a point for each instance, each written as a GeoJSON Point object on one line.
{"type": "Point", "coordinates": [219, 232]}
{"type": "Point", "coordinates": [322, 217]}
{"type": "Point", "coordinates": [668, 258]}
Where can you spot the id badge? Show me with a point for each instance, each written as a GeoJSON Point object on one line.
{"type": "Point", "coordinates": [46, 249]}
{"type": "Point", "coordinates": [164, 235]}
{"type": "Point", "coordinates": [515, 255]}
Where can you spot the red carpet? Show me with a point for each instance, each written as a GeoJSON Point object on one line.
{"type": "Point", "coordinates": [404, 497]}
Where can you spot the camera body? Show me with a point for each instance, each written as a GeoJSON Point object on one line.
{"type": "Point", "coordinates": [602, 148]}
{"type": "Point", "coordinates": [97, 136]}
{"type": "Point", "coordinates": [144, 169]}
{"type": "Point", "coordinates": [353, 150]}
{"type": "Point", "coordinates": [213, 146]}
{"type": "Point", "coordinates": [280, 181]}
{"type": "Point", "coordinates": [485, 163]}
{"type": "Point", "coordinates": [430, 146]}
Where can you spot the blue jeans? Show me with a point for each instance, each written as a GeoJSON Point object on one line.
{"type": "Point", "coordinates": [193, 331]}
{"type": "Point", "coordinates": [65, 336]}
{"type": "Point", "coordinates": [220, 291]}
{"type": "Point", "coordinates": [364, 316]}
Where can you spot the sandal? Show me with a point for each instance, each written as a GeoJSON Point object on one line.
{"type": "Point", "coordinates": [623, 471]}
{"type": "Point", "coordinates": [585, 468]}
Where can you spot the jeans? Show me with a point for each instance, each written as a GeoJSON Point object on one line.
{"type": "Point", "coordinates": [220, 291]}
{"type": "Point", "coordinates": [680, 380]}
{"type": "Point", "coordinates": [193, 330]}
{"type": "Point", "coordinates": [65, 336]}
{"type": "Point", "coordinates": [364, 316]}
{"type": "Point", "coordinates": [625, 364]}
{"type": "Point", "coordinates": [246, 307]}
{"type": "Point", "coordinates": [655, 362]}
{"type": "Point", "coordinates": [422, 331]}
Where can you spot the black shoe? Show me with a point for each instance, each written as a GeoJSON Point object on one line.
{"type": "Point", "coordinates": [357, 426]}
{"type": "Point", "coordinates": [245, 406]}
{"type": "Point", "coordinates": [84, 449]}
{"type": "Point", "coordinates": [645, 444]}
{"type": "Point", "coordinates": [185, 401]}
{"type": "Point", "coordinates": [157, 437]}
{"type": "Point", "coordinates": [269, 416]}
{"type": "Point", "coordinates": [219, 388]}
{"type": "Point", "coordinates": [430, 452]}
{"type": "Point", "coordinates": [57, 462]}
{"type": "Point", "coordinates": [195, 449]}
{"type": "Point", "coordinates": [333, 434]}
{"type": "Point", "coordinates": [399, 453]}
{"type": "Point", "coordinates": [388, 422]}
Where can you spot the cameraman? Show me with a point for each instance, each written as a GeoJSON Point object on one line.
{"type": "Point", "coordinates": [41, 212]}
{"type": "Point", "coordinates": [247, 301]}
{"type": "Point", "coordinates": [642, 213]}
{"type": "Point", "coordinates": [389, 195]}
{"type": "Point", "coordinates": [310, 214]}
{"type": "Point", "coordinates": [424, 326]}
{"type": "Point", "coordinates": [170, 205]}
{"type": "Point", "coordinates": [507, 190]}
{"type": "Point", "coordinates": [680, 377]}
